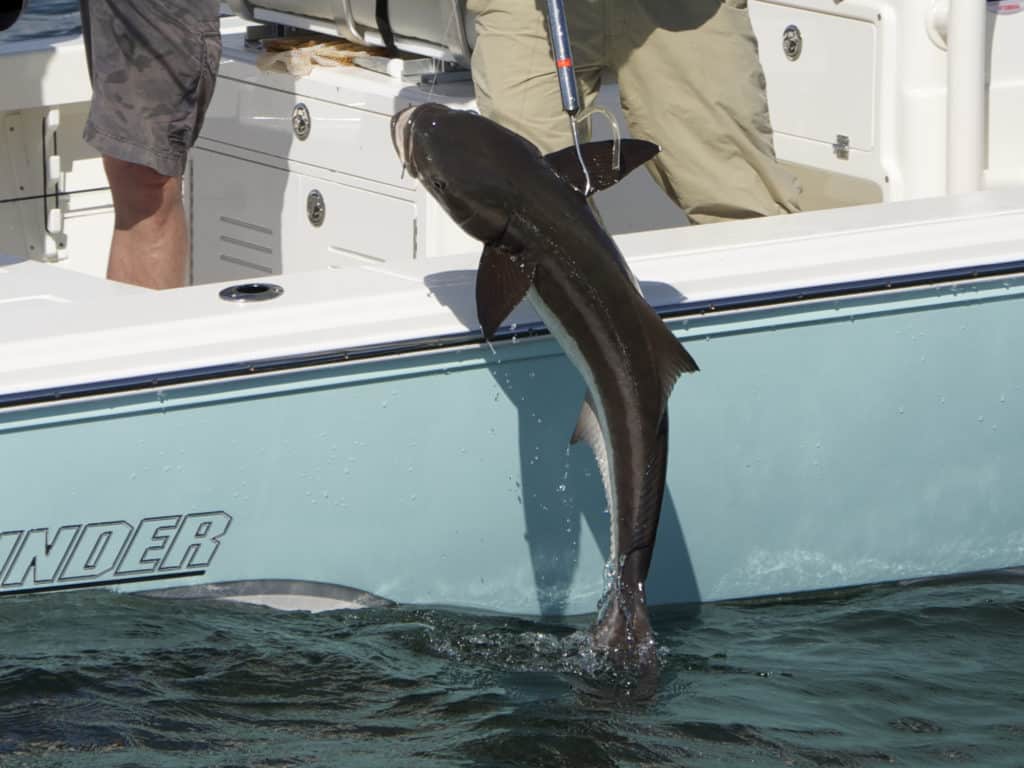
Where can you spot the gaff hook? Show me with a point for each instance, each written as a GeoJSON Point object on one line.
{"type": "Point", "coordinates": [559, 30]}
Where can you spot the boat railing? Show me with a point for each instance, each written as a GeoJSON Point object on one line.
{"type": "Point", "coordinates": [963, 23]}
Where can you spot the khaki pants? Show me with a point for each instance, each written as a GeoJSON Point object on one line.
{"type": "Point", "coordinates": [689, 80]}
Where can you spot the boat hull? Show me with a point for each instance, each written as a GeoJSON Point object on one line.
{"type": "Point", "coordinates": [825, 444]}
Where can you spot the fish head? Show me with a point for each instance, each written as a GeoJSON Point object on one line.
{"type": "Point", "coordinates": [463, 161]}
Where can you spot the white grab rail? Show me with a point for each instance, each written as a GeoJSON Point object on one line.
{"type": "Point", "coordinates": [966, 106]}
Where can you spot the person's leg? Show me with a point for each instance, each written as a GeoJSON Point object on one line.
{"type": "Point", "coordinates": [514, 71]}
{"type": "Point", "coordinates": [691, 81]}
{"type": "Point", "coordinates": [153, 68]}
{"type": "Point", "coordinates": [150, 242]}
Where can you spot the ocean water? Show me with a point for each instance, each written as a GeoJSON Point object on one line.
{"type": "Point", "coordinates": [918, 675]}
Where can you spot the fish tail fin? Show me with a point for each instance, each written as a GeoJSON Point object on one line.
{"type": "Point", "coordinates": [623, 629]}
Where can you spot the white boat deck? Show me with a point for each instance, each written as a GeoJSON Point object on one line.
{"type": "Point", "coordinates": [63, 328]}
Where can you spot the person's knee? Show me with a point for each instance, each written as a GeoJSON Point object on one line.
{"type": "Point", "coordinates": [139, 192]}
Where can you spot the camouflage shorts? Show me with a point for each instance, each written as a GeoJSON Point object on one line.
{"type": "Point", "coordinates": [153, 66]}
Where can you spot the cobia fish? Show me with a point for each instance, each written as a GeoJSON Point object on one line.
{"type": "Point", "coordinates": [543, 242]}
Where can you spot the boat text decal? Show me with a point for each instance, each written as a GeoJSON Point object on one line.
{"type": "Point", "coordinates": [114, 552]}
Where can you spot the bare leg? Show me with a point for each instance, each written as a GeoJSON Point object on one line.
{"type": "Point", "coordinates": [150, 243]}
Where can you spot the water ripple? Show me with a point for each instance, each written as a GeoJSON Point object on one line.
{"type": "Point", "coordinates": [916, 675]}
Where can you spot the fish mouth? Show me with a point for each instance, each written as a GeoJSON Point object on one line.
{"type": "Point", "coordinates": [401, 137]}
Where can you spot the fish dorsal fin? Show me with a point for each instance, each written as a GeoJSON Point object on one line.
{"type": "Point", "coordinates": [502, 280]}
{"type": "Point", "coordinates": [588, 430]}
{"type": "Point", "coordinates": [598, 157]}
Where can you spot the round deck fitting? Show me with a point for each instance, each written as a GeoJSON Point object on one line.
{"type": "Point", "coordinates": [247, 292]}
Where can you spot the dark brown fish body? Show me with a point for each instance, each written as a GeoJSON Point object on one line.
{"type": "Point", "coordinates": [542, 241]}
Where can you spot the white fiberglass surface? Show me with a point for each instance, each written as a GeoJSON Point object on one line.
{"type": "Point", "coordinates": [62, 328]}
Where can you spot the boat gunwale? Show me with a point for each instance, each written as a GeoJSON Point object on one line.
{"type": "Point", "coordinates": [469, 338]}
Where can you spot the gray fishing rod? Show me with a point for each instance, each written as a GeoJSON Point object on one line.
{"type": "Point", "coordinates": [558, 28]}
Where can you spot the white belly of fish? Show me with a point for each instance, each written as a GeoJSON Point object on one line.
{"type": "Point", "coordinates": [600, 443]}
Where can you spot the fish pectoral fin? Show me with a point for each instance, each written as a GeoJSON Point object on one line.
{"type": "Point", "coordinates": [597, 155]}
{"type": "Point", "coordinates": [502, 281]}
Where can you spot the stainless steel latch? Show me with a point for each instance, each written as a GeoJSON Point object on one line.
{"type": "Point", "coordinates": [792, 42]}
{"type": "Point", "coordinates": [841, 148]}
{"type": "Point", "coordinates": [301, 122]}
{"type": "Point", "coordinates": [316, 209]}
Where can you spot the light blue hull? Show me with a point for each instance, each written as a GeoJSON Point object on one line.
{"type": "Point", "coordinates": [856, 440]}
